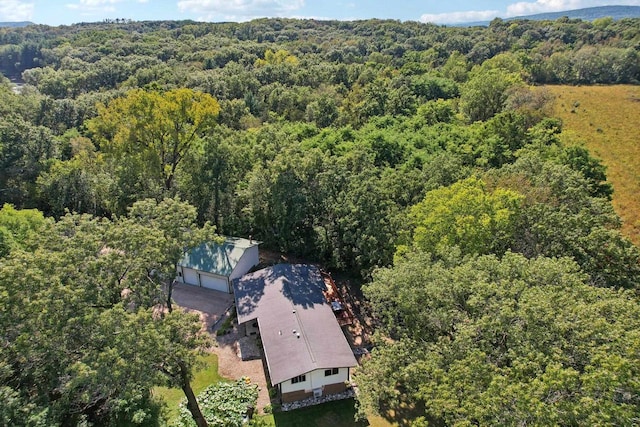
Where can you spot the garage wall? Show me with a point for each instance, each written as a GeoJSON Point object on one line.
{"type": "Point", "coordinates": [179, 277]}
{"type": "Point", "coordinates": [249, 258]}
{"type": "Point", "coordinates": [214, 282]}
{"type": "Point", "coordinates": [209, 281]}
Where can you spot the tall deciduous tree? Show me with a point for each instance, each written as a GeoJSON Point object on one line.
{"type": "Point", "coordinates": [511, 341]}
{"type": "Point", "coordinates": [25, 150]}
{"type": "Point", "coordinates": [148, 134]}
{"type": "Point", "coordinates": [561, 217]}
{"type": "Point", "coordinates": [85, 329]}
{"type": "Point", "coordinates": [17, 227]}
{"type": "Point", "coordinates": [465, 215]}
{"type": "Point", "coordinates": [485, 94]}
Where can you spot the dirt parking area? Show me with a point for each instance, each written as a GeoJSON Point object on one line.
{"type": "Point", "coordinates": [231, 365]}
{"type": "Point", "coordinates": [212, 306]}
{"type": "Point", "coordinates": [209, 304]}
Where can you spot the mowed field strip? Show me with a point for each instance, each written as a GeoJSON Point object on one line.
{"type": "Point", "coordinates": [606, 120]}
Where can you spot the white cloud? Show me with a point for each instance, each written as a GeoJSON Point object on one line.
{"type": "Point", "coordinates": [238, 10]}
{"type": "Point", "coordinates": [457, 17]}
{"type": "Point", "coordinates": [542, 6]}
{"type": "Point", "coordinates": [96, 6]}
{"type": "Point", "coordinates": [522, 8]}
{"type": "Point", "coordinates": [15, 10]}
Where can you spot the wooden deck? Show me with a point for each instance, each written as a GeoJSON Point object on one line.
{"type": "Point", "coordinates": [334, 298]}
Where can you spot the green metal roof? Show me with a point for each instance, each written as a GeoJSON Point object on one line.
{"type": "Point", "coordinates": [217, 259]}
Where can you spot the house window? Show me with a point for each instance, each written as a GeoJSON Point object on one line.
{"type": "Point", "coordinates": [329, 372]}
{"type": "Point", "coordinates": [299, 379]}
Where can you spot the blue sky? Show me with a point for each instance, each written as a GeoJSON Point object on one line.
{"type": "Point", "coordinates": [62, 12]}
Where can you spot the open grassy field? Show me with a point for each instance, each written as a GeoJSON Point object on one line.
{"type": "Point", "coordinates": [606, 119]}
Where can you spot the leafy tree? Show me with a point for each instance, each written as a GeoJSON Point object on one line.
{"type": "Point", "coordinates": [79, 185]}
{"type": "Point", "coordinates": [279, 57]}
{"type": "Point", "coordinates": [323, 111]}
{"type": "Point", "coordinates": [174, 223]}
{"type": "Point", "coordinates": [18, 227]}
{"type": "Point", "coordinates": [148, 134]}
{"type": "Point", "coordinates": [485, 94]}
{"type": "Point", "coordinates": [429, 88]}
{"type": "Point", "coordinates": [502, 136]}
{"type": "Point", "coordinates": [438, 111]}
{"type": "Point", "coordinates": [579, 159]}
{"type": "Point", "coordinates": [465, 215]}
{"type": "Point", "coordinates": [84, 337]}
{"type": "Point", "coordinates": [211, 182]}
{"type": "Point", "coordinates": [561, 217]}
{"type": "Point", "coordinates": [25, 151]}
{"type": "Point", "coordinates": [491, 341]}
{"type": "Point", "coordinates": [456, 68]}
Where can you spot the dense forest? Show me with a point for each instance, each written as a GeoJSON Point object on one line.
{"type": "Point", "coordinates": [421, 159]}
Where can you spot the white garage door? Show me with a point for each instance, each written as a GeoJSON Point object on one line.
{"type": "Point", "coordinates": [190, 276]}
{"type": "Point", "coordinates": [212, 282]}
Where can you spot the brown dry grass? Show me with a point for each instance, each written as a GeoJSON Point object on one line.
{"type": "Point", "coordinates": [606, 119]}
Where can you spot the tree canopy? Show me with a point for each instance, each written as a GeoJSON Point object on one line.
{"type": "Point", "coordinates": [486, 341]}
{"type": "Point", "coordinates": [85, 331]}
{"type": "Point", "coordinates": [467, 216]}
{"type": "Point", "coordinates": [424, 158]}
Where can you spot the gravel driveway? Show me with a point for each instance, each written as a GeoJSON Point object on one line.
{"type": "Point", "coordinates": [212, 306]}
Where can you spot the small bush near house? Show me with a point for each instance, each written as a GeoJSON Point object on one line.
{"type": "Point", "coordinates": [227, 324]}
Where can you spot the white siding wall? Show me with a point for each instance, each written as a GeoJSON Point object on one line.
{"type": "Point", "coordinates": [287, 387]}
{"type": "Point", "coordinates": [249, 259]}
{"type": "Point", "coordinates": [315, 379]}
{"type": "Point", "coordinates": [179, 277]}
{"type": "Point", "coordinates": [318, 379]}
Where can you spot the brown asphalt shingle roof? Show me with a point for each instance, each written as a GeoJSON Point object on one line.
{"type": "Point", "coordinates": [298, 328]}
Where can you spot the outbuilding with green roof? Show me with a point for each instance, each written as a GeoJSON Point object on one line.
{"type": "Point", "coordinates": [214, 266]}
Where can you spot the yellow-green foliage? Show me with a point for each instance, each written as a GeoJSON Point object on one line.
{"type": "Point", "coordinates": [281, 56]}
{"type": "Point", "coordinates": [464, 215]}
{"type": "Point", "coordinates": [606, 119]}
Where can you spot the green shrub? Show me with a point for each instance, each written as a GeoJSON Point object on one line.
{"type": "Point", "coordinates": [227, 324]}
{"type": "Point", "coordinates": [223, 404]}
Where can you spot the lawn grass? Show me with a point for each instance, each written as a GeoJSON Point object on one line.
{"type": "Point", "coordinates": [339, 413]}
{"type": "Point", "coordinates": [333, 414]}
{"type": "Point", "coordinates": [606, 120]}
{"type": "Point", "coordinates": [203, 378]}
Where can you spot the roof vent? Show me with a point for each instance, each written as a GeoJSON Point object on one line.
{"type": "Point", "coordinates": [298, 335]}
{"type": "Point", "coordinates": [294, 331]}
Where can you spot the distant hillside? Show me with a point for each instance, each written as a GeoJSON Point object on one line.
{"type": "Point", "coordinates": [587, 14]}
{"type": "Point", "coordinates": [15, 24]}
